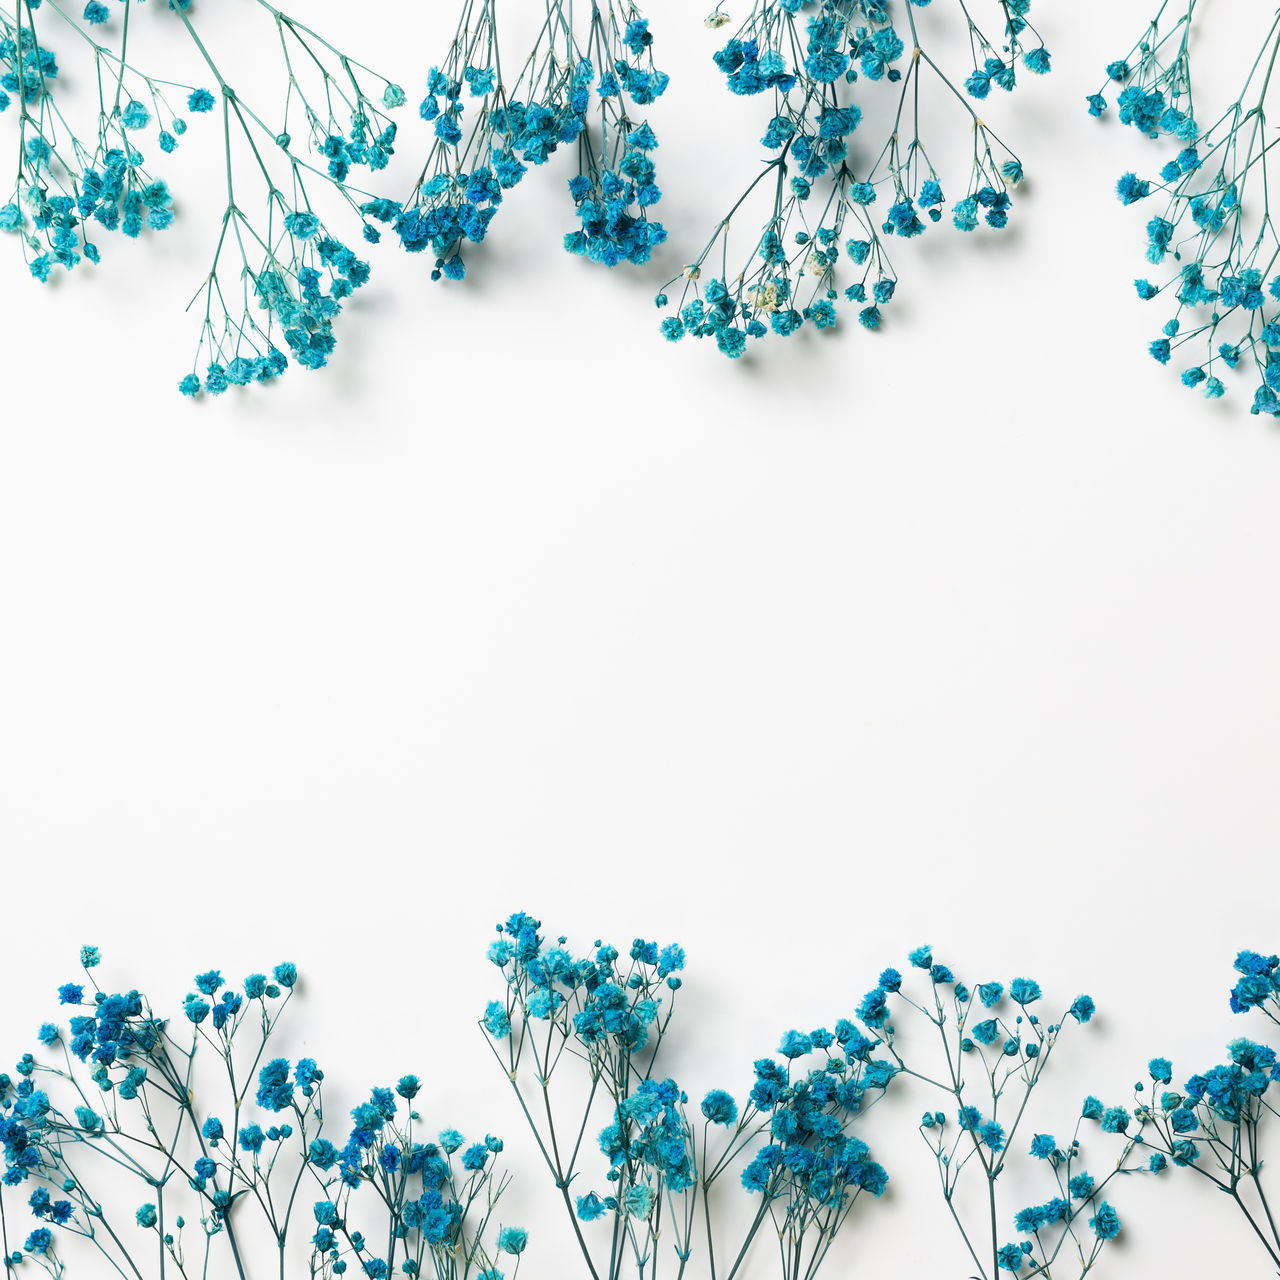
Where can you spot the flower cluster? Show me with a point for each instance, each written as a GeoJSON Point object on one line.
{"type": "Point", "coordinates": [1258, 986]}
{"type": "Point", "coordinates": [1211, 236]}
{"type": "Point", "coordinates": [806, 1165]}
{"type": "Point", "coordinates": [439, 1195]}
{"type": "Point", "coordinates": [189, 1141]}
{"type": "Point", "coordinates": [76, 180]}
{"type": "Point", "coordinates": [290, 287]}
{"type": "Point", "coordinates": [1215, 1124]}
{"type": "Point", "coordinates": [989, 1051]}
{"type": "Point", "coordinates": [610, 1012]}
{"type": "Point", "coordinates": [828, 67]}
{"type": "Point", "coordinates": [615, 185]}
{"type": "Point", "coordinates": [864, 116]}
{"type": "Point", "coordinates": [119, 1137]}
{"type": "Point", "coordinates": [279, 275]}
{"type": "Point", "coordinates": [573, 88]}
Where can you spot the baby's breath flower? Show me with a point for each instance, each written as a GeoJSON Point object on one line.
{"type": "Point", "coordinates": [1217, 1124]}
{"type": "Point", "coordinates": [164, 1109]}
{"type": "Point", "coordinates": [273, 287]}
{"type": "Point", "coordinates": [579, 85]}
{"type": "Point", "coordinates": [611, 1010]}
{"type": "Point", "coordinates": [992, 1055]}
{"type": "Point", "coordinates": [72, 177]}
{"type": "Point", "coordinates": [829, 192]}
{"type": "Point", "coordinates": [1210, 233]}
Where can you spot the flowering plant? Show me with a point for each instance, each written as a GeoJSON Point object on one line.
{"type": "Point", "coordinates": [579, 1037]}
{"type": "Point", "coordinates": [1215, 1125]}
{"type": "Point", "coordinates": [823, 66]}
{"type": "Point", "coordinates": [994, 1052]}
{"type": "Point", "coordinates": [123, 1141]}
{"type": "Point", "coordinates": [278, 275]}
{"type": "Point", "coordinates": [1211, 234]}
{"type": "Point", "coordinates": [180, 1145]}
{"type": "Point", "coordinates": [299, 156]}
{"type": "Point", "coordinates": [574, 87]}
{"type": "Point", "coordinates": [65, 180]}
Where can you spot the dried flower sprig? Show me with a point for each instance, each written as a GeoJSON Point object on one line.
{"type": "Point", "coordinates": [69, 180]}
{"type": "Point", "coordinates": [122, 1136]}
{"type": "Point", "coordinates": [282, 270]}
{"type": "Point", "coordinates": [578, 1038]}
{"type": "Point", "coordinates": [279, 275]}
{"type": "Point", "coordinates": [1214, 236]}
{"type": "Point", "coordinates": [822, 63]}
{"type": "Point", "coordinates": [577, 85]}
{"type": "Point", "coordinates": [989, 1053]}
{"type": "Point", "coordinates": [1216, 1126]}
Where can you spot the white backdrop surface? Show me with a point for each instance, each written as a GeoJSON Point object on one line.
{"type": "Point", "coordinates": [965, 632]}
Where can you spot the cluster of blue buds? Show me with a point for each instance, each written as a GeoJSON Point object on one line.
{"type": "Point", "coordinates": [28, 69]}
{"type": "Point", "coordinates": [1258, 986]}
{"type": "Point", "coordinates": [361, 145]}
{"type": "Point", "coordinates": [1210, 234]}
{"type": "Point", "coordinates": [650, 1152]}
{"type": "Point", "coordinates": [427, 1188]}
{"type": "Point", "coordinates": [617, 180]}
{"type": "Point", "coordinates": [810, 1162]}
{"type": "Point", "coordinates": [453, 204]}
{"type": "Point", "coordinates": [986, 1052]}
{"type": "Point", "coordinates": [119, 1100]}
{"type": "Point", "coordinates": [277, 278]}
{"type": "Point", "coordinates": [63, 182]}
{"type": "Point", "coordinates": [292, 275]}
{"type": "Point", "coordinates": [1215, 1124]}
{"type": "Point", "coordinates": [299, 296]}
{"type": "Point", "coordinates": [610, 1012]}
{"type": "Point", "coordinates": [117, 1093]}
{"type": "Point", "coordinates": [474, 162]}
{"type": "Point", "coordinates": [822, 62]}
{"type": "Point", "coordinates": [828, 208]}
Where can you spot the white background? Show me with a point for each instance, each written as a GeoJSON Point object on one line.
{"type": "Point", "coordinates": [964, 632]}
